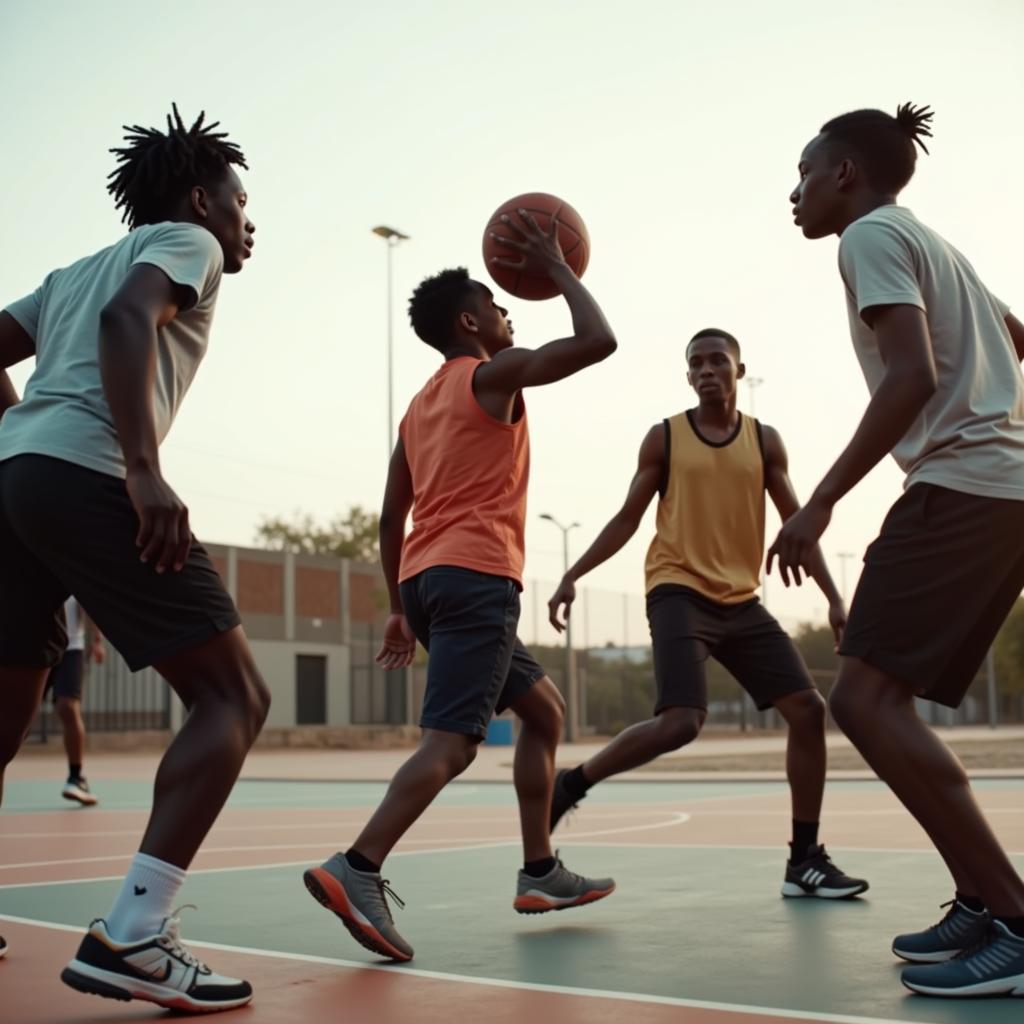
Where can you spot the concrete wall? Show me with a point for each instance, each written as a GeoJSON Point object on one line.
{"type": "Point", "coordinates": [277, 663]}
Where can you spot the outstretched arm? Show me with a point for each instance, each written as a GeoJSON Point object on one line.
{"type": "Point", "coordinates": [644, 485]}
{"type": "Point", "coordinates": [15, 345]}
{"type": "Point", "coordinates": [905, 345]}
{"type": "Point", "coordinates": [592, 339]}
{"type": "Point", "coordinates": [399, 645]}
{"type": "Point", "coordinates": [780, 490]}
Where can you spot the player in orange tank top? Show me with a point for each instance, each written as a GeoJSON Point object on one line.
{"type": "Point", "coordinates": [461, 466]}
{"type": "Point", "coordinates": [711, 467]}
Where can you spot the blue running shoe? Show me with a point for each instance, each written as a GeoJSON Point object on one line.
{"type": "Point", "coordinates": [994, 967]}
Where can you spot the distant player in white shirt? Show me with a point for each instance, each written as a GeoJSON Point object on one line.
{"type": "Point", "coordinates": [84, 509]}
{"type": "Point", "coordinates": [941, 357]}
{"type": "Point", "coordinates": [67, 678]}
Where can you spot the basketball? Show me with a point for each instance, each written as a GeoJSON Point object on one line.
{"type": "Point", "coordinates": [572, 236]}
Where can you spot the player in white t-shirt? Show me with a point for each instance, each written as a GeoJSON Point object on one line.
{"type": "Point", "coordinates": [84, 509]}
{"type": "Point", "coordinates": [67, 678]}
{"type": "Point", "coordinates": [941, 357]}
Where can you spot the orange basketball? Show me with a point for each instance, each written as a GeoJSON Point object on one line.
{"type": "Point", "coordinates": [572, 236]}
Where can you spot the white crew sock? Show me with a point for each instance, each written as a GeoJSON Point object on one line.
{"type": "Point", "coordinates": [147, 894]}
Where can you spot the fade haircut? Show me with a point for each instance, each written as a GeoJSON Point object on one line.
{"type": "Point", "coordinates": [716, 332]}
{"type": "Point", "coordinates": [435, 304]}
{"type": "Point", "coordinates": [156, 169]}
{"type": "Point", "coordinates": [885, 146]}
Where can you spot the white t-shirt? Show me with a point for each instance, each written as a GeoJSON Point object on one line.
{"type": "Point", "coordinates": [63, 412]}
{"type": "Point", "coordinates": [970, 435]}
{"type": "Point", "coordinates": [75, 625]}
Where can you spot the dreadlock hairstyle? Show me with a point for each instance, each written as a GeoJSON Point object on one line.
{"type": "Point", "coordinates": [885, 145]}
{"type": "Point", "coordinates": [435, 304]}
{"type": "Point", "coordinates": [716, 332]}
{"type": "Point", "coordinates": [156, 170]}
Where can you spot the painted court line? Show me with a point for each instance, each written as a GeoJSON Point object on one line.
{"type": "Point", "coordinates": [465, 979]}
{"type": "Point", "coordinates": [678, 818]}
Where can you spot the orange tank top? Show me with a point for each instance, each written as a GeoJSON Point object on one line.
{"type": "Point", "coordinates": [710, 525]}
{"type": "Point", "coordinates": [469, 476]}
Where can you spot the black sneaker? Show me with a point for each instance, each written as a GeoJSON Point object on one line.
{"type": "Point", "coordinates": [3, 947]}
{"type": "Point", "coordinates": [76, 788]}
{"type": "Point", "coordinates": [158, 969]}
{"type": "Point", "coordinates": [958, 930]}
{"type": "Point", "coordinates": [561, 800]}
{"type": "Point", "coordinates": [818, 876]}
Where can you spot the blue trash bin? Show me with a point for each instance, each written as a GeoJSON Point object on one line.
{"type": "Point", "coordinates": [500, 732]}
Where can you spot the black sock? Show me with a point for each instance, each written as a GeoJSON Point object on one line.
{"type": "Point", "coordinates": [805, 838]}
{"type": "Point", "coordinates": [360, 863]}
{"type": "Point", "coordinates": [576, 783]}
{"type": "Point", "coordinates": [1015, 924]}
{"type": "Point", "coordinates": [74, 771]}
{"type": "Point", "coordinates": [539, 868]}
{"type": "Point", "coordinates": [970, 902]}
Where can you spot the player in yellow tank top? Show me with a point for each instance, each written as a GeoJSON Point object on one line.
{"type": "Point", "coordinates": [711, 467]}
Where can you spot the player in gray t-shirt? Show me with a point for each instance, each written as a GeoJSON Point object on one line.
{"type": "Point", "coordinates": [941, 357]}
{"type": "Point", "coordinates": [84, 509]}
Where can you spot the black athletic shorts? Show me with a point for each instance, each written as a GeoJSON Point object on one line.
{"type": "Point", "coordinates": [687, 627]}
{"type": "Point", "coordinates": [937, 584]}
{"type": "Point", "coordinates": [69, 530]}
{"type": "Point", "coordinates": [67, 676]}
{"type": "Point", "coordinates": [477, 667]}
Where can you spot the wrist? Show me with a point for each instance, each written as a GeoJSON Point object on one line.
{"type": "Point", "coordinates": [825, 496]}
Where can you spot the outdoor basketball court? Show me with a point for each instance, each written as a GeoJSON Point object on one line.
{"type": "Point", "coordinates": [696, 932]}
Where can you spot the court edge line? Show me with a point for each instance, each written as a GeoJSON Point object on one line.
{"type": "Point", "coordinates": [465, 979]}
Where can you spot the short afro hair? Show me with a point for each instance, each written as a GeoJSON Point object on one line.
{"type": "Point", "coordinates": [884, 146]}
{"type": "Point", "coordinates": [717, 332]}
{"type": "Point", "coordinates": [435, 304]}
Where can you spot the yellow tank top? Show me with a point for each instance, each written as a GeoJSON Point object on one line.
{"type": "Point", "coordinates": [711, 513]}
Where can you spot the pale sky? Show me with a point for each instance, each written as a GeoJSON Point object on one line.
{"type": "Point", "coordinates": [674, 129]}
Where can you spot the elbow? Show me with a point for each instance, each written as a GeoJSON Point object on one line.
{"type": "Point", "coordinates": [924, 385]}
{"type": "Point", "coordinates": [604, 345]}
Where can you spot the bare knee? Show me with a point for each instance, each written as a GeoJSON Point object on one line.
{"type": "Point", "coordinates": [678, 726]}
{"type": "Point", "coordinates": [67, 710]}
{"type": "Point", "coordinates": [452, 753]}
{"type": "Point", "coordinates": [803, 711]}
{"type": "Point", "coordinates": [542, 710]}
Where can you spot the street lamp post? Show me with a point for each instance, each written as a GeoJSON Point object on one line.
{"type": "Point", "coordinates": [392, 237]}
{"type": "Point", "coordinates": [572, 723]}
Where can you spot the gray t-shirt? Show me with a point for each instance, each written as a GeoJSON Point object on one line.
{"type": "Point", "coordinates": [63, 412]}
{"type": "Point", "coordinates": [970, 435]}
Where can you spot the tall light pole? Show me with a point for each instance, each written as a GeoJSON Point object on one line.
{"type": "Point", "coordinates": [572, 725]}
{"type": "Point", "coordinates": [392, 237]}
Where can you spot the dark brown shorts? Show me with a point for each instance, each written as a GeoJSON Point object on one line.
{"type": "Point", "coordinates": [687, 627]}
{"type": "Point", "coordinates": [937, 584]}
{"type": "Point", "coordinates": [69, 530]}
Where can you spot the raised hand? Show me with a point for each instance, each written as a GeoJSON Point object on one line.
{"type": "Point", "coordinates": [540, 253]}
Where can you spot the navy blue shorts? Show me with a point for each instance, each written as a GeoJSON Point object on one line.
{"type": "Point", "coordinates": [67, 676]}
{"type": "Point", "coordinates": [467, 621]}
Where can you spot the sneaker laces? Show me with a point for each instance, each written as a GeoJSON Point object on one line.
{"type": "Point", "coordinates": [171, 936]}
{"type": "Point", "coordinates": [385, 890]}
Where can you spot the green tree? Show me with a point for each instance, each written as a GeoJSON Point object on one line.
{"type": "Point", "coordinates": [352, 535]}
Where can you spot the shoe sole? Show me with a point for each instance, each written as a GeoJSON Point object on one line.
{"type": "Point", "coordinates": [95, 981]}
{"type": "Point", "coordinates": [1000, 987]}
{"type": "Point", "coordinates": [86, 801]}
{"type": "Point", "coordinates": [539, 905]}
{"type": "Point", "coordinates": [793, 891]}
{"type": "Point", "coordinates": [939, 956]}
{"type": "Point", "coordinates": [330, 893]}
